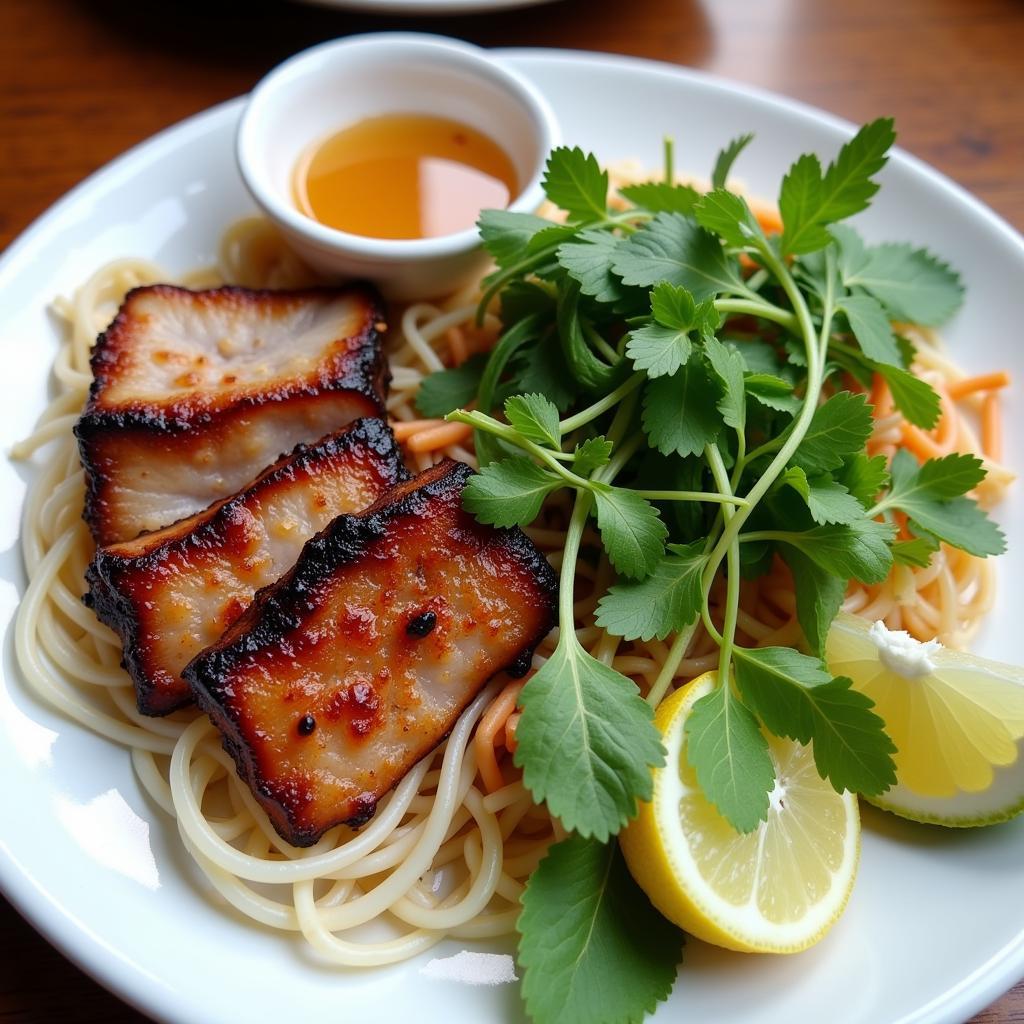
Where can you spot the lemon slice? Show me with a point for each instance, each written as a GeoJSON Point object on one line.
{"type": "Point", "coordinates": [957, 721]}
{"type": "Point", "coordinates": [777, 889]}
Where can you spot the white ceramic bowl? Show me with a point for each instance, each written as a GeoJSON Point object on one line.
{"type": "Point", "coordinates": [323, 89]}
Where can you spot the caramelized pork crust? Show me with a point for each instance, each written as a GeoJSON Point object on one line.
{"type": "Point", "coordinates": [195, 392]}
{"type": "Point", "coordinates": [171, 593]}
{"type": "Point", "coordinates": [342, 676]}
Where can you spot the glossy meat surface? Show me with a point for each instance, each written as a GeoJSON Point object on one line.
{"type": "Point", "coordinates": [171, 593]}
{"type": "Point", "coordinates": [341, 677]}
{"type": "Point", "coordinates": [195, 393]}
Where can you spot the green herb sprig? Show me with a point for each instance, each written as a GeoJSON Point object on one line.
{"type": "Point", "coordinates": [686, 377]}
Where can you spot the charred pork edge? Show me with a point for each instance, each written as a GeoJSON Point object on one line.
{"type": "Point", "coordinates": [105, 571]}
{"type": "Point", "coordinates": [271, 617]}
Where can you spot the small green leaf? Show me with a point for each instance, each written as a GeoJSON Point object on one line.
{"type": "Point", "coordinates": [827, 500]}
{"type": "Point", "coordinates": [535, 418]}
{"type": "Point", "coordinates": [505, 234]}
{"type": "Point", "coordinates": [727, 215]}
{"type": "Point", "coordinates": [509, 492]}
{"type": "Point", "coordinates": [871, 328]}
{"type": "Point", "coordinates": [592, 454]}
{"type": "Point", "coordinates": [864, 477]}
{"type": "Point", "coordinates": [726, 158]}
{"type": "Point", "coordinates": [447, 390]}
{"type": "Point", "coordinates": [574, 182]}
{"type": "Point", "coordinates": [659, 197]}
{"type": "Point", "coordinates": [730, 755]}
{"type": "Point", "coordinates": [631, 530]}
{"type": "Point", "coordinates": [727, 366]}
{"type": "Point", "coordinates": [681, 412]}
{"type": "Point", "coordinates": [916, 552]}
{"type": "Point", "coordinates": [674, 249]}
{"type": "Point", "coordinates": [771, 391]}
{"type": "Point", "coordinates": [666, 602]}
{"type": "Point", "coordinates": [588, 260]}
{"type": "Point", "coordinates": [819, 596]}
{"type": "Point", "coordinates": [915, 398]}
{"type": "Point", "coordinates": [948, 477]}
{"type": "Point", "coordinates": [591, 947]}
{"type": "Point", "coordinates": [839, 428]}
{"type": "Point", "coordinates": [586, 742]}
{"type": "Point", "coordinates": [859, 550]}
{"type": "Point", "coordinates": [913, 285]}
{"type": "Point", "coordinates": [658, 350]}
{"type": "Point", "coordinates": [795, 696]}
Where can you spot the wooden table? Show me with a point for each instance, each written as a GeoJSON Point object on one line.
{"type": "Point", "coordinates": [82, 81]}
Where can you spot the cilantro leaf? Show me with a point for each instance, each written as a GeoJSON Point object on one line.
{"type": "Point", "coordinates": [916, 552]}
{"type": "Point", "coordinates": [912, 284]}
{"type": "Point", "coordinates": [631, 530]}
{"type": "Point", "coordinates": [729, 216]}
{"type": "Point", "coordinates": [592, 454]}
{"type": "Point", "coordinates": [680, 412]}
{"type": "Point", "coordinates": [505, 234]}
{"type": "Point", "coordinates": [729, 753]}
{"type": "Point", "coordinates": [915, 398]}
{"type": "Point", "coordinates": [674, 249]}
{"type": "Point", "coordinates": [665, 602]}
{"type": "Point", "coordinates": [673, 306]}
{"type": "Point", "coordinates": [930, 495]}
{"type": "Point", "coordinates": [509, 492]}
{"type": "Point", "coordinates": [727, 365]}
{"type": "Point", "coordinates": [592, 948]}
{"type": "Point", "coordinates": [540, 368]}
{"type": "Point", "coordinates": [871, 328]}
{"type": "Point", "coordinates": [810, 200]}
{"type": "Point", "coordinates": [659, 197]}
{"type": "Point", "coordinates": [864, 477]}
{"type": "Point", "coordinates": [858, 550]}
{"type": "Point", "coordinates": [588, 260]}
{"type": "Point", "coordinates": [658, 350]}
{"type": "Point", "coordinates": [535, 418]}
{"type": "Point", "coordinates": [771, 391]}
{"type": "Point", "coordinates": [827, 500]}
{"type": "Point", "coordinates": [819, 596]}
{"type": "Point", "coordinates": [726, 158]}
{"type": "Point", "coordinates": [574, 182]}
{"type": "Point", "coordinates": [586, 741]}
{"type": "Point", "coordinates": [796, 697]}
{"type": "Point", "coordinates": [840, 427]}
{"type": "Point", "coordinates": [447, 390]}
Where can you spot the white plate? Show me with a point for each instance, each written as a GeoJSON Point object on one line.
{"type": "Point", "coordinates": [935, 928]}
{"type": "Point", "coordinates": [424, 7]}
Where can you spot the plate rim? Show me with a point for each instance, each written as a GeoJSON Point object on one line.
{"type": "Point", "coordinates": [72, 937]}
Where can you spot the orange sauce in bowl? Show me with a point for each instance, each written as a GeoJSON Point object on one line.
{"type": "Point", "coordinates": [404, 176]}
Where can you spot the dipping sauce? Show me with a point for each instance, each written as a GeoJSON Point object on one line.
{"type": "Point", "coordinates": [404, 176]}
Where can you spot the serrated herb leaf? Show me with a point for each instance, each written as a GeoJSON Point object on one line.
{"type": "Point", "coordinates": [674, 249]}
{"type": "Point", "coordinates": [810, 200]}
{"type": "Point", "coordinates": [771, 391]}
{"type": "Point", "coordinates": [658, 350]}
{"type": "Point", "coordinates": [505, 234]}
{"type": "Point", "coordinates": [915, 398]}
{"type": "Point", "coordinates": [509, 492]}
{"type": "Point", "coordinates": [591, 454]}
{"type": "Point", "coordinates": [827, 500]}
{"type": "Point", "coordinates": [659, 197]}
{"type": "Point", "coordinates": [727, 366]}
{"type": "Point", "coordinates": [592, 948]}
{"type": "Point", "coordinates": [729, 216]}
{"type": "Point", "coordinates": [447, 390]}
{"type": "Point", "coordinates": [574, 182]}
{"type": "Point", "coordinates": [727, 750]}
{"type": "Point", "coordinates": [680, 412]}
{"type": "Point", "coordinates": [535, 418]}
{"type": "Point", "coordinates": [871, 328]}
{"type": "Point", "coordinates": [667, 601]}
{"type": "Point", "coordinates": [912, 284]}
{"type": "Point", "coordinates": [631, 530]}
{"type": "Point", "coordinates": [795, 696]}
{"type": "Point", "coordinates": [726, 158]}
{"type": "Point", "coordinates": [588, 260]}
{"type": "Point", "coordinates": [839, 428]}
{"type": "Point", "coordinates": [586, 742]}
{"type": "Point", "coordinates": [859, 550]}
{"type": "Point", "coordinates": [819, 596]}
{"type": "Point", "coordinates": [916, 552]}
{"type": "Point", "coordinates": [864, 477]}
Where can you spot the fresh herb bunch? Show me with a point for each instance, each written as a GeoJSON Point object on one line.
{"type": "Point", "coordinates": [685, 375]}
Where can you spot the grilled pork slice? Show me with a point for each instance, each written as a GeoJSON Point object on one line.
{"type": "Point", "coordinates": [171, 593]}
{"type": "Point", "coordinates": [195, 393]}
{"type": "Point", "coordinates": [343, 675]}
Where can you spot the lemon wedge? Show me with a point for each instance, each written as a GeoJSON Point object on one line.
{"type": "Point", "coordinates": [957, 721]}
{"type": "Point", "coordinates": [777, 889]}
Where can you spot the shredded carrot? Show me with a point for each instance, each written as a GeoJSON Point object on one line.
{"type": "Point", "coordinates": [991, 427]}
{"type": "Point", "coordinates": [983, 382]}
{"type": "Point", "coordinates": [510, 731]}
{"type": "Point", "coordinates": [880, 397]}
{"type": "Point", "coordinates": [919, 443]}
{"type": "Point", "coordinates": [495, 718]}
{"type": "Point", "coordinates": [946, 430]}
{"type": "Point", "coordinates": [404, 429]}
{"type": "Point", "coordinates": [457, 345]}
{"type": "Point", "coordinates": [433, 438]}
{"type": "Point", "coordinates": [769, 219]}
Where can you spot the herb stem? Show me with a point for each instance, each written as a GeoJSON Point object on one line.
{"type": "Point", "coordinates": [732, 594]}
{"type": "Point", "coordinates": [670, 173]}
{"type": "Point", "coordinates": [567, 575]}
{"type": "Point", "coordinates": [581, 419]}
{"type": "Point", "coordinates": [711, 496]}
{"type": "Point", "coordinates": [761, 309]}
{"type": "Point", "coordinates": [600, 344]}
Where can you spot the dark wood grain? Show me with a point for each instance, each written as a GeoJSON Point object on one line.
{"type": "Point", "coordinates": [82, 81]}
